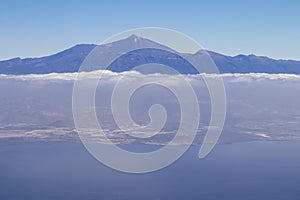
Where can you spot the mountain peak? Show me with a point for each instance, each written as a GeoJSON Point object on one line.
{"type": "Point", "coordinates": [135, 38]}
{"type": "Point", "coordinates": [136, 42]}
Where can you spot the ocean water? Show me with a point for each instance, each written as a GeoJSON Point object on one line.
{"type": "Point", "coordinates": [247, 170]}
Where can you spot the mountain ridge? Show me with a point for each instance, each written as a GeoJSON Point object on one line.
{"type": "Point", "coordinates": [69, 60]}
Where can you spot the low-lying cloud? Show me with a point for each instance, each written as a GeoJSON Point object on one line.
{"type": "Point", "coordinates": [231, 77]}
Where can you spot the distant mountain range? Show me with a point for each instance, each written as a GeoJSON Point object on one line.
{"type": "Point", "coordinates": [70, 60]}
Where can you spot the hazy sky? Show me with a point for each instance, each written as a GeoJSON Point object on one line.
{"type": "Point", "coordinates": [35, 28]}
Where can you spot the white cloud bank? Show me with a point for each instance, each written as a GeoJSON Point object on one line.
{"type": "Point", "coordinates": [236, 77]}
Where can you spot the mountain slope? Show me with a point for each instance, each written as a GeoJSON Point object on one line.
{"type": "Point", "coordinates": [65, 61]}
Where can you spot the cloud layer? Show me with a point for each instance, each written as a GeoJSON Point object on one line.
{"type": "Point", "coordinates": [236, 77]}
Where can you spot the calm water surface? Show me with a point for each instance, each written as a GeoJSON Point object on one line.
{"type": "Point", "coordinates": [254, 170]}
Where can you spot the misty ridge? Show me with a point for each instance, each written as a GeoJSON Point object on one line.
{"type": "Point", "coordinates": [70, 60]}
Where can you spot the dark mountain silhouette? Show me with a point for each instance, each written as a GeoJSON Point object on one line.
{"type": "Point", "coordinates": [70, 60]}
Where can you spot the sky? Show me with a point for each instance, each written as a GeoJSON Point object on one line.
{"type": "Point", "coordinates": [35, 28]}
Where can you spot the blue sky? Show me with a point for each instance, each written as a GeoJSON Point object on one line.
{"type": "Point", "coordinates": [35, 28]}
